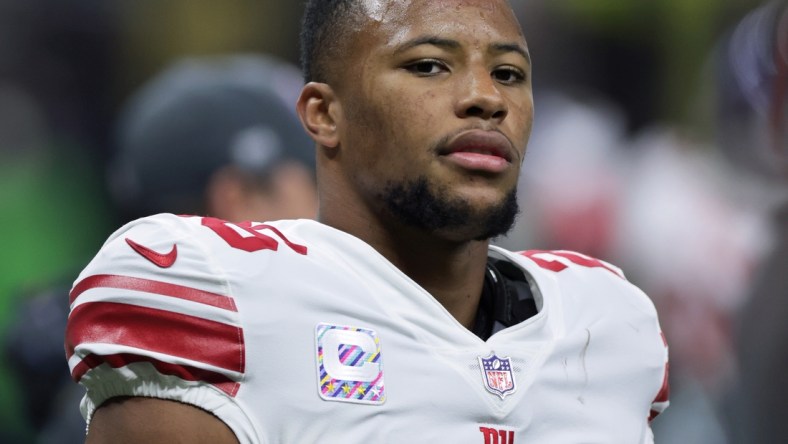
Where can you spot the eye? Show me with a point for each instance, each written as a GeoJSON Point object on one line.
{"type": "Point", "coordinates": [508, 75]}
{"type": "Point", "coordinates": [426, 67]}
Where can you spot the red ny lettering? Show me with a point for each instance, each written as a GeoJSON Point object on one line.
{"type": "Point", "coordinates": [495, 436]}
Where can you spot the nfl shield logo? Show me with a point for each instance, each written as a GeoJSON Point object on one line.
{"type": "Point", "coordinates": [498, 375]}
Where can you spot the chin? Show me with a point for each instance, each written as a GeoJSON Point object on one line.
{"type": "Point", "coordinates": [421, 205]}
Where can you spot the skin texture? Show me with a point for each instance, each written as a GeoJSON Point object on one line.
{"type": "Point", "coordinates": [391, 117]}
{"type": "Point", "coordinates": [147, 420]}
{"type": "Point", "coordinates": [419, 78]}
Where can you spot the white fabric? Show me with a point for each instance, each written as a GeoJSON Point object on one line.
{"type": "Point", "coordinates": [586, 368]}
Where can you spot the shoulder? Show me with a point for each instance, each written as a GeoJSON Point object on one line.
{"type": "Point", "coordinates": [593, 295]}
{"type": "Point", "coordinates": [150, 254]}
{"type": "Point", "coordinates": [581, 278]}
{"type": "Point", "coordinates": [156, 313]}
{"type": "Point", "coordinates": [191, 247]}
{"type": "Point", "coordinates": [563, 260]}
{"type": "Point", "coordinates": [151, 280]}
{"type": "Point", "coordinates": [151, 238]}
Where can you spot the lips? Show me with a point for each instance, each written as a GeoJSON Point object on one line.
{"type": "Point", "coordinates": [480, 150]}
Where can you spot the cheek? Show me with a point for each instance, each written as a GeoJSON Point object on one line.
{"type": "Point", "coordinates": [524, 111]}
{"type": "Point", "coordinates": [406, 121]}
{"type": "Point", "coordinates": [426, 104]}
{"type": "Point", "coordinates": [374, 137]}
{"type": "Point", "coordinates": [415, 118]}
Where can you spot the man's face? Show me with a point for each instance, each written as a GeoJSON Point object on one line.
{"type": "Point", "coordinates": [437, 103]}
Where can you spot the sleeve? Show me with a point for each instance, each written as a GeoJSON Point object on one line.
{"type": "Point", "coordinates": [662, 400]}
{"type": "Point", "coordinates": [152, 316]}
{"type": "Point", "coordinates": [648, 436]}
{"type": "Point", "coordinates": [640, 304]}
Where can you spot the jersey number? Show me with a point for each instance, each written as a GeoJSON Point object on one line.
{"type": "Point", "coordinates": [538, 256]}
{"type": "Point", "coordinates": [231, 233]}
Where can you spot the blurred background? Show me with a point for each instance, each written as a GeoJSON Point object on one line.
{"type": "Point", "coordinates": [660, 145]}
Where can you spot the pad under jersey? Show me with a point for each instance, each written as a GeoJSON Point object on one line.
{"type": "Point", "coordinates": [294, 332]}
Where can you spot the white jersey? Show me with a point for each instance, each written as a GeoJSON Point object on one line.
{"type": "Point", "coordinates": [294, 332]}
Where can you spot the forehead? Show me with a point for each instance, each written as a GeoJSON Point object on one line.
{"type": "Point", "coordinates": [399, 19]}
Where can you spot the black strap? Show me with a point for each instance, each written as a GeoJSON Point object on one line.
{"type": "Point", "coordinates": [506, 298]}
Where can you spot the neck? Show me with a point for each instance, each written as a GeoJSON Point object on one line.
{"type": "Point", "coordinates": [451, 271]}
{"type": "Point", "coordinates": [452, 274]}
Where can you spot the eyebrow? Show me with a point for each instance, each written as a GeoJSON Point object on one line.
{"type": "Point", "coordinates": [453, 44]}
{"type": "Point", "coordinates": [428, 40]}
{"type": "Point", "coordinates": [512, 47]}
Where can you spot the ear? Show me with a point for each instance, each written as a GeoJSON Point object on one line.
{"type": "Point", "coordinates": [320, 111]}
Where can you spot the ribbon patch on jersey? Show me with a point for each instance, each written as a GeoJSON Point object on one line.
{"type": "Point", "coordinates": [349, 365]}
{"type": "Point", "coordinates": [497, 374]}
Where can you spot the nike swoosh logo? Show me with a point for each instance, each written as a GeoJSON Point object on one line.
{"type": "Point", "coordinates": [162, 260]}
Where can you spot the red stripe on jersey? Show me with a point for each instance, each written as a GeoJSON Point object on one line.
{"type": "Point", "coordinates": [185, 372]}
{"type": "Point", "coordinates": [160, 331]}
{"type": "Point", "coordinates": [547, 264]}
{"type": "Point", "coordinates": [663, 396]}
{"type": "Point", "coordinates": [554, 265]}
{"type": "Point", "coordinates": [300, 249]}
{"type": "Point", "coordinates": [156, 287]}
{"type": "Point", "coordinates": [586, 261]}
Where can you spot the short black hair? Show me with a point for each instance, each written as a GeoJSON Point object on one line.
{"type": "Point", "coordinates": [325, 26]}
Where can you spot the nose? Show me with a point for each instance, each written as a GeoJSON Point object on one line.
{"type": "Point", "coordinates": [481, 97]}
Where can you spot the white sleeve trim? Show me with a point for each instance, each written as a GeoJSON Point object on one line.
{"type": "Point", "coordinates": [141, 379]}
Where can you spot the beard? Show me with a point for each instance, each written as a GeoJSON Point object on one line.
{"type": "Point", "coordinates": [419, 205]}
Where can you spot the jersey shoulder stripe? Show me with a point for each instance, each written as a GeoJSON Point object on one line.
{"type": "Point", "coordinates": [180, 320]}
{"type": "Point", "coordinates": [152, 286]}
{"type": "Point", "coordinates": [187, 337]}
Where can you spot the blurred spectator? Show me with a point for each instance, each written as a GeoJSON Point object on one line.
{"type": "Point", "coordinates": [214, 135]}
{"type": "Point", "coordinates": [753, 66]}
{"type": "Point", "coordinates": [690, 231]}
{"type": "Point", "coordinates": [573, 176]}
{"type": "Point", "coordinates": [752, 80]}
{"type": "Point", "coordinates": [659, 199]}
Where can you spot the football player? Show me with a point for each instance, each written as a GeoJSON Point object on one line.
{"type": "Point", "coordinates": [390, 319]}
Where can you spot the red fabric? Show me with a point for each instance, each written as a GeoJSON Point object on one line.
{"type": "Point", "coordinates": [554, 265]}
{"type": "Point", "coordinates": [160, 331]}
{"type": "Point", "coordinates": [156, 287]}
{"type": "Point", "coordinates": [162, 260]}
